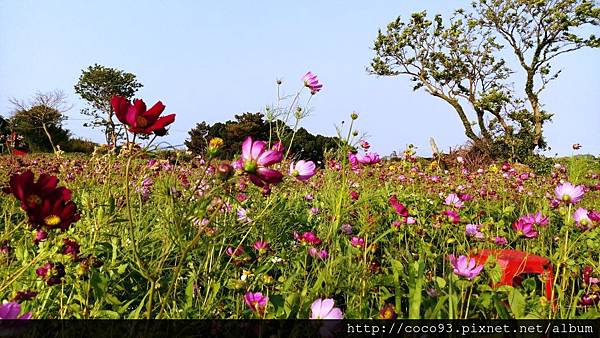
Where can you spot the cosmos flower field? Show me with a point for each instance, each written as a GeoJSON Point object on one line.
{"type": "Point", "coordinates": [135, 234]}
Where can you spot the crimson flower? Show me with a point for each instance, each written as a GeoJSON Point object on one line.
{"type": "Point", "coordinates": [400, 208]}
{"type": "Point", "coordinates": [514, 263]}
{"type": "Point", "coordinates": [54, 213]}
{"type": "Point", "coordinates": [138, 119]}
{"type": "Point", "coordinates": [31, 194]}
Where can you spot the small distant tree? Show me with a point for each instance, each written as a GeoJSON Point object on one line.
{"type": "Point", "coordinates": [4, 132]}
{"type": "Point", "coordinates": [97, 85]}
{"type": "Point", "coordinates": [40, 119]}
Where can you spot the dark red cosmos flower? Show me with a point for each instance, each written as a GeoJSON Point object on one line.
{"type": "Point", "coordinates": [54, 213]}
{"type": "Point", "coordinates": [51, 273]}
{"type": "Point", "coordinates": [514, 263]}
{"type": "Point", "coordinates": [138, 119]}
{"type": "Point", "coordinates": [70, 247]}
{"type": "Point", "coordinates": [31, 194]}
{"type": "Point", "coordinates": [400, 208]}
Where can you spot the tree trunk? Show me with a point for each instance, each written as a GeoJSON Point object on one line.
{"type": "Point", "coordinates": [463, 117]}
{"type": "Point", "coordinates": [535, 107]}
{"type": "Point", "coordinates": [49, 137]}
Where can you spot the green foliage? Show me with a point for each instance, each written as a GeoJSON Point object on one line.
{"type": "Point", "coordinates": [461, 63]}
{"type": "Point", "coordinates": [233, 132]}
{"type": "Point", "coordinates": [97, 85]}
{"type": "Point", "coordinates": [40, 126]}
{"type": "Point", "coordinates": [182, 232]}
{"type": "Point", "coordinates": [79, 145]}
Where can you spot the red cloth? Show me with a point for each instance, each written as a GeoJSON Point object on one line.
{"type": "Point", "coordinates": [515, 263]}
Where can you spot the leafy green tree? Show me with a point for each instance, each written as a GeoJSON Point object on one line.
{"type": "Point", "coordinates": [40, 120]}
{"type": "Point", "coordinates": [97, 85]}
{"type": "Point", "coordinates": [461, 63]}
{"type": "Point", "coordinates": [537, 31]}
{"type": "Point", "coordinates": [234, 132]}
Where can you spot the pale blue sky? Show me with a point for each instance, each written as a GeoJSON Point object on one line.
{"type": "Point", "coordinates": [209, 60]}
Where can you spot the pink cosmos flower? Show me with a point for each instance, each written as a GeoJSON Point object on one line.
{"type": "Point", "coordinates": [500, 240]}
{"type": "Point", "coordinates": [324, 309]}
{"type": "Point", "coordinates": [525, 229]}
{"type": "Point", "coordinates": [463, 266]}
{"type": "Point", "coordinates": [242, 215]}
{"type": "Point", "coordinates": [400, 208]}
{"type": "Point", "coordinates": [536, 219]}
{"type": "Point", "coordinates": [582, 219]}
{"type": "Point", "coordinates": [472, 230]}
{"type": "Point", "coordinates": [364, 144]}
{"type": "Point", "coordinates": [12, 310]}
{"type": "Point", "coordinates": [454, 201]}
{"type": "Point", "coordinates": [357, 242]}
{"type": "Point", "coordinates": [256, 160]}
{"type": "Point", "coordinates": [314, 252]}
{"type": "Point", "coordinates": [587, 276]}
{"type": "Point", "coordinates": [367, 159]}
{"type": "Point", "coordinates": [256, 302]}
{"type": "Point", "coordinates": [303, 170]}
{"type": "Point", "coordinates": [569, 193]}
{"type": "Point", "coordinates": [452, 216]}
{"type": "Point", "coordinates": [235, 252]}
{"type": "Point", "coordinates": [307, 237]}
{"type": "Point", "coordinates": [353, 161]}
{"type": "Point", "coordinates": [312, 82]}
{"type": "Point", "coordinates": [261, 246]}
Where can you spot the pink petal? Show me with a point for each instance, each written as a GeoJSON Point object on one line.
{"type": "Point", "coordinates": [247, 148]}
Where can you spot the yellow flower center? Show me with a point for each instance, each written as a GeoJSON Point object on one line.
{"type": "Point", "coordinates": [141, 122]}
{"type": "Point", "coordinates": [34, 200]}
{"type": "Point", "coordinates": [52, 220]}
{"type": "Point", "coordinates": [566, 198]}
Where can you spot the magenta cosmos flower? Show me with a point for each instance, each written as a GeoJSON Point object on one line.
{"type": "Point", "coordinates": [367, 159]}
{"type": "Point", "coordinates": [303, 170]}
{"type": "Point", "coordinates": [452, 216]}
{"type": "Point", "coordinates": [463, 266]}
{"type": "Point", "coordinates": [582, 218]}
{"type": "Point", "coordinates": [256, 159]}
{"type": "Point", "coordinates": [569, 193]}
{"type": "Point", "coordinates": [536, 219]}
{"type": "Point", "coordinates": [311, 82]}
{"type": "Point", "coordinates": [525, 229]}
{"type": "Point", "coordinates": [256, 302]}
{"type": "Point", "coordinates": [324, 309]}
{"type": "Point", "coordinates": [11, 311]}
{"type": "Point", "coordinates": [454, 201]}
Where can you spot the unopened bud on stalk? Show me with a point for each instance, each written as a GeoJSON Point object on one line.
{"type": "Point", "coordinates": [354, 116]}
{"type": "Point", "coordinates": [224, 170]}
